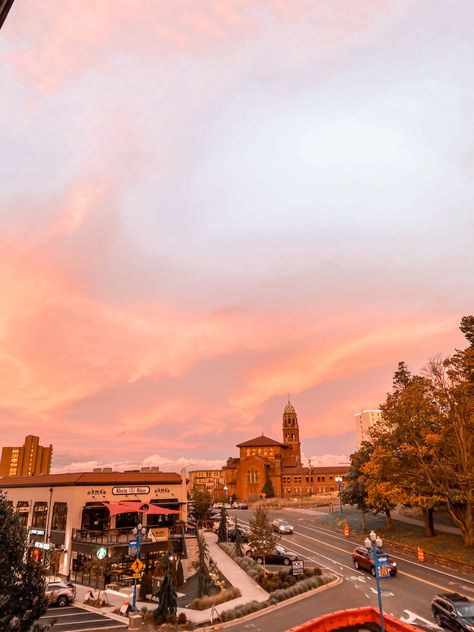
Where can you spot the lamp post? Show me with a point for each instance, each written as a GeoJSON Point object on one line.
{"type": "Point", "coordinates": [139, 533]}
{"type": "Point", "coordinates": [339, 482]}
{"type": "Point", "coordinates": [373, 544]}
{"type": "Point", "coordinates": [225, 503]}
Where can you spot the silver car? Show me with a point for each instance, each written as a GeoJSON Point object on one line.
{"type": "Point", "coordinates": [60, 593]}
{"type": "Point", "coordinates": [281, 526]}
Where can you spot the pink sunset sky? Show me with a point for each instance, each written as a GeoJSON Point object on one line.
{"type": "Point", "coordinates": [209, 205]}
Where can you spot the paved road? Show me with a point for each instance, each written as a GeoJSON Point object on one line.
{"type": "Point", "coordinates": [76, 619]}
{"type": "Point", "coordinates": [407, 596]}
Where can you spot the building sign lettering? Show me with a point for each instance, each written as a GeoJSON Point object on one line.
{"type": "Point", "coordinates": [125, 491]}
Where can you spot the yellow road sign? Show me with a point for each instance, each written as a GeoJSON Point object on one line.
{"type": "Point", "coordinates": [137, 566]}
{"type": "Point", "coordinates": [136, 575]}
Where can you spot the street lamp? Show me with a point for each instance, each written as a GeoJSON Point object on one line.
{"type": "Point", "coordinates": [374, 544]}
{"type": "Point", "coordinates": [339, 482]}
{"type": "Point", "coordinates": [139, 532]}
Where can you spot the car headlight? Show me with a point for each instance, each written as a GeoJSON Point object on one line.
{"type": "Point", "coordinates": [394, 563]}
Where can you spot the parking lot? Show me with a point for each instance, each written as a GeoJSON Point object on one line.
{"type": "Point", "coordinates": [76, 619]}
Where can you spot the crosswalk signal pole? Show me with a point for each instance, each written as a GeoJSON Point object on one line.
{"type": "Point", "coordinates": [139, 532]}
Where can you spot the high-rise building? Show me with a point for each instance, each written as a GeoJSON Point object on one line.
{"type": "Point", "coordinates": [29, 459]}
{"type": "Point", "coordinates": [365, 419]}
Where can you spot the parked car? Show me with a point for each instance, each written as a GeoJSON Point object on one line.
{"type": "Point", "coordinates": [282, 526]}
{"type": "Point", "coordinates": [454, 611]}
{"type": "Point", "coordinates": [60, 593]}
{"type": "Point", "coordinates": [240, 505]}
{"type": "Point", "coordinates": [363, 559]}
{"type": "Point", "coordinates": [279, 555]}
{"type": "Point", "coordinates": [244, 533]}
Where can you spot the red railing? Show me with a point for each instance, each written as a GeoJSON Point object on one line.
{"type": "Point", "coordinates": [355, 616]}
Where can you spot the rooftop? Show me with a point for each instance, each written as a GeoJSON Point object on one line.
{"type": "Point", "coordinates": [91, 478]}
{"type": "Point", "coordinates": [260, 442]}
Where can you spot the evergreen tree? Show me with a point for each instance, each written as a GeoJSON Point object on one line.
{"type": "Point", "coordinates": [238, 550]}
{"type": "Point", "coordinates": [222, 528]}
{"type": "Point", "coordinates": [179, 574]}
{"type": "Point", "coordinates": [201, 566]}
{"type": "Point", "coordinates": [146, 586]}
{"type": "Point", "coordinates": [267, 488]}
{"type": "Point", "coordinates": [22, 583]}
{"type": "Point", "coordinates": [262, 540]}
{"type": "Point", "coordinates": [168, 599]}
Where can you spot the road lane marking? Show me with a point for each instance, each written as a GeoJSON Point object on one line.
{"type": "Point", "coordinates": [413, 617]}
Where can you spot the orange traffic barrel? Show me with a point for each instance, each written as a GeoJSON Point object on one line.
{"type": "Point", "coordinates": [346, 530]}
{"type": "Point", "coordinates": [421, 555]}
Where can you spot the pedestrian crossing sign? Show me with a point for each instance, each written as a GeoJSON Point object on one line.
{"type": "Point", "coordinates": [137, 566]}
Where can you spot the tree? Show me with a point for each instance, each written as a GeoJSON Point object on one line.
{"type": "Point", "coordinates": [267, 488]}
{"type": "Point", "coordinates": [222, 528]}
{"type": "Point", "coordinates": [262, 540]}
{"type": "Point", "coordinates": [179, 573]}
{"type": "Point", "coordinates": [146, 586]}
{"type": "Point", "coordinates": [202, 505]}
{"type": "Point", "coordinates": [201, 566]}
{"type": "Point", "coordinates": [168, 599]}
{"type": "Point", "coordinates": [355, 492]}
{"type": "Point", "coordinates": [22, 583]}
{"type": "Point", "coordinates": [238, 549]}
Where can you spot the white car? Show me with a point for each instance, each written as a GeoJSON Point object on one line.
{"type": "Point", "coordinates": [282, 526]}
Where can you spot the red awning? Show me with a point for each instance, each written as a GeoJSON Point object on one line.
{"type": "Point", "coordinates": [138, 507]}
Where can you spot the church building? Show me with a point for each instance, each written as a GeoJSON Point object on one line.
{"type": "Point", "coordinates": [280, 461]}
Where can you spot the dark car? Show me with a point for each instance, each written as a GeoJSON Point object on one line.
{"type": "Point", "coordinates": [244, 534]}
{"type": "Point", "coordinates": [454, 611]}
{"type": "Point", "coordinates": [278, 556]}
{"type": "Point", "coordinates": [362, 558]}
{"type": "Point", "coordinates": [60, 593]}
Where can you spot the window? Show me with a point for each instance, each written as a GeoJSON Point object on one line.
{"type": "Point", "coordinates": [40, 511]}
{"type": "Point", "coordinates": [252, 476]}
{"type": "Point", "coordinates": [58, 521]}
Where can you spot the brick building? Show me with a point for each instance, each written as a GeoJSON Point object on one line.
{"type": "Point", "coordinates": [264, 457]}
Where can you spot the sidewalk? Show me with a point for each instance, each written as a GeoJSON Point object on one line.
{"type": "Point", "coordinates": [250, 590]}
{"type": "Point", "coordinates": [396, 515]}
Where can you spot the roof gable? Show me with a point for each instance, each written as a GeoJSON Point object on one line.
{"type": "Point", "coordinates": [260, 442]}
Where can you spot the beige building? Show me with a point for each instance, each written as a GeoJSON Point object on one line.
{"type": "Point", "coordinates": [27, 460]}
{"type": "Point", "coordinates": [84, 517]}
{"type": "Point", "coordinates": [364, 420]}
{"type": "Point", "coordinates": [212, 481]}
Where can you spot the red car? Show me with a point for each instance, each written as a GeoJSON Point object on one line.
{"type": "Point", "coordinates": [363, 559]}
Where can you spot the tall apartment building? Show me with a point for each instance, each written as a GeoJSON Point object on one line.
{"type": "Point", "coordinates": [364, 421]}
{"type": "Point", "coordinates": [30, 459]}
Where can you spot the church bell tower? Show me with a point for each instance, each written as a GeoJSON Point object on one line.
{"type": "Point", "coordinates": [291, 433]}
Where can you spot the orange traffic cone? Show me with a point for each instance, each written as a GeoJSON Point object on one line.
{"type": "Point", "coordinates": [346, 530]}
{"type": "Point", "coordinates": [421, 555]}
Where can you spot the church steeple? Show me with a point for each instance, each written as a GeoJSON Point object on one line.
{"type": "Point", "coordinates": [291, 433]}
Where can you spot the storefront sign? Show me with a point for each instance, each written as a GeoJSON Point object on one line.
{"type": "Point", "coordinates": [159, 535]}
{"type": "Point", "coordinates": [125, 491]}
{"type": "Point", "coordinates": [37, 531]}
{"type": "Point", "coordinates": [101, 552]}
{"type": "Point", "coordinates": [44, 545]}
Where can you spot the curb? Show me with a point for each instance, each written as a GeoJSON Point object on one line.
{"type": "Point", "coordinates": [282, 604]}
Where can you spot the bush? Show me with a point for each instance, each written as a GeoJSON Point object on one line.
{"type": "Point", "coordinates": [182, 619]}
{"type": "Point", "coordinates": [203, 603]}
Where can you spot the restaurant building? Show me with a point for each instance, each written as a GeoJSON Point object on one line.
{"type": "Point", "coordinates": [79, 519]}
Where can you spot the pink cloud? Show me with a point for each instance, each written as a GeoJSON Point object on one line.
{"type": "Point", "coordinates": [56, 42]}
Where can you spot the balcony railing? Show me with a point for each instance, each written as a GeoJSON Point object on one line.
{"type": "Point", "coordinates": [116, 536]}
